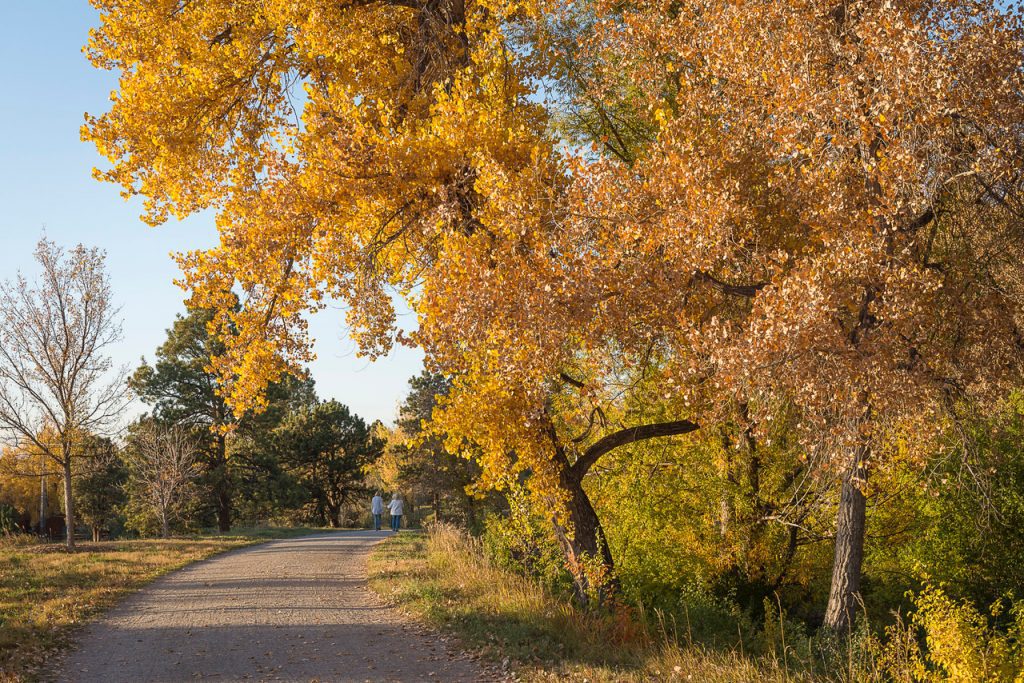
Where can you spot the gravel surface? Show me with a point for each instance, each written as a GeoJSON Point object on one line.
{"type": "Point", "coordinates": [289, 610]}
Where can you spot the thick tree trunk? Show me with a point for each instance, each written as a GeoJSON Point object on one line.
{"type": "Point", "coordinates": [223, 486]}
{"type": "Point", "coordinates": [585, 545]}
{"type": "Point", "coordinates": [96, 533]}
{"type": "Point", "coordinates": [223, 508]}
{"type": "Point", "coordinates": [69, 506]}
{"type": "Point", "coordinates": [844, 595]}
{"type": "Point", "coordinates": [581, 535]}
{"type": "Point", "coordinates": [165, 527]}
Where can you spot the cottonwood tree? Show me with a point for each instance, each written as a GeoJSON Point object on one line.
{"type": "Point", "coordinates": [162, 462]}
{"type": "Point", "coordinates": [832, 205]}
{"type": "Point", "coordinates": [447, 162]}
{"type": "Point", "coordinates": [421, 151]}
{"type": "Point", "coordinates": [807, 207]}
{"type": "Point", "coordinates": [57, 386]}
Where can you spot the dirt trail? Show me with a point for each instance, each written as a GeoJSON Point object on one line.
{"type": "Point", "coordinates": [289, 610]}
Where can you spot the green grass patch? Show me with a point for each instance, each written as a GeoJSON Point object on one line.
{"type": "Point", "coordinates": [46, 591]}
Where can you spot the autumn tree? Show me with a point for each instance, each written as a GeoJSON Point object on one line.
{"type": "Point", "coordinates": [162, 464]}
{"type": "Point", "coordinates": [57, 386]}
{"type": "Point", "coordinates": [832, 203]}
{"type": "Point", "coordinates": [28, 483]}
{"type": "Point", "coordinates": [783, 203]}
{"type": "Point", "coordinates": [437, 176]}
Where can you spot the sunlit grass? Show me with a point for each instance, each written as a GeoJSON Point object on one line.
{"type": "Point", "coordinates": [45, 591]}
{"type": "Point", "coordinates": [445, 579]}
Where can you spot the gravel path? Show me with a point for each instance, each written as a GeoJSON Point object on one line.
{"type": "Point", "coordinates": [289, 610]}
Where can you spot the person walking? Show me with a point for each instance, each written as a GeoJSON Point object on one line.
{"type": "Point", "coordinates": [395, 506]}
{"type": "Point", "coordinates": [377, 509]}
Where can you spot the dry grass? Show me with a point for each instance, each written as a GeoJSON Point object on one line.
{"type": "Point", "coordinates": [445, 579]}
{"type": "Point", "coordinates": [46, 591]}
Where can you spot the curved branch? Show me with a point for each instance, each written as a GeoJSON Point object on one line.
{"type": "Point", "coordinates": [628, 436]}
{"type": "Point", "coordinates": [747, 291]}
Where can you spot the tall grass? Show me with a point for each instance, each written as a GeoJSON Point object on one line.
{"type": "Point", "coordinates": [446, 578]}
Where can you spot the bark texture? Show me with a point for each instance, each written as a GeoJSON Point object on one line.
{"type": "Point", "coordinates": [69, 505]}
{"type": "Point", "coordinates": [583, 540]}
{"type": "Point", "coordinates": [844, 595]}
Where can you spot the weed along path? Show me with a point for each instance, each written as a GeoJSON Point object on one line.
{"type": "Point", "coordinates": [288, 610]}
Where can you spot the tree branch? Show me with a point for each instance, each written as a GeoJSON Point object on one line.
{"type": "Point", "coordinates": [747, 291]}
{"type": "Point", "coordinates": [628, 436]}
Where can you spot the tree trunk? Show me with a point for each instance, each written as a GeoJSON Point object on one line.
{"type": "Point", "coordinates": [844, 595]}
{"type": "Point", "coordinates": [96, 532]}
{"type": "Point", "coordinates": [223, 486]}
{"type": "Point", "coordinates": [223, 509]}
{"type": "Point", "coordinates": [165, 527]}
{"type": "Point", "coordinates": [69, 505]}
{"type": "Point", "coordinates": [43, 503]}
{"type": "Point", "coordinates": [437, 507]}
{"type": "Point", "coordinates": [586, 544]}
{"type": "Point", "coordinates": [581, 536]}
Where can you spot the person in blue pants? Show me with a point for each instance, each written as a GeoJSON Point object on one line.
{"type": "Point", "coordinates": [395, 507]}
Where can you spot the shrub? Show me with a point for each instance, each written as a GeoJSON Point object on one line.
{"type": "Point", "coordinates": [950, 640]}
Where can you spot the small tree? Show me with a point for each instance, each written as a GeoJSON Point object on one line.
{"type": "Point", "coordinates": [100, 488]}
{"type": "Point", "coordinates": [54, 376]}
{"type": "Point", "coordinates": [162, 465]}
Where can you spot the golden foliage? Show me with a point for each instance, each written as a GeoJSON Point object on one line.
{"type": "Point", "coordinates": [820, 200]}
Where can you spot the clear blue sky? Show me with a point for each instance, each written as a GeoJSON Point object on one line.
{"type": "Point", "coordinates": [45, 183]}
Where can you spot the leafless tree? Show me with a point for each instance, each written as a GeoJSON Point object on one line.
{"type": "Point", "coordinates": [57, 385]}
{"type": "Point", "coordinates": [162, 461]}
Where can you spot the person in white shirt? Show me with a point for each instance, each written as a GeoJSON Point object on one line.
{"type": "Point", "coordinates": [395, 507]}
{"type": "Point", "coordinates": [377, 509]}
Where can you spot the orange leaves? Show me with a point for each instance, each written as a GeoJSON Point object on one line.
{"type": "Point", "coordinates": [793, 202]}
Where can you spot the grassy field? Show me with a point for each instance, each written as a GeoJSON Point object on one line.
{"type": "Point", "coordinates": [445, 579]}
{"type": "Point", "coordinates": [46, 591]}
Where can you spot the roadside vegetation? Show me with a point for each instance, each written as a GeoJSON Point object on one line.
{"type": "Point", "coordinates": [445, 578]}
{"type": "Point", "coordinates": [448, 578]}
{"type": "Point", "coordinates": [46, 591]}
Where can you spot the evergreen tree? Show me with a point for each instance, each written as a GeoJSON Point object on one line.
{"type": "Point", "coordinates": [325, 447]}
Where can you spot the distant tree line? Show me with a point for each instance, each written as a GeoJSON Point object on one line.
{"type": "Point", "coordinates": [190, 463]}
